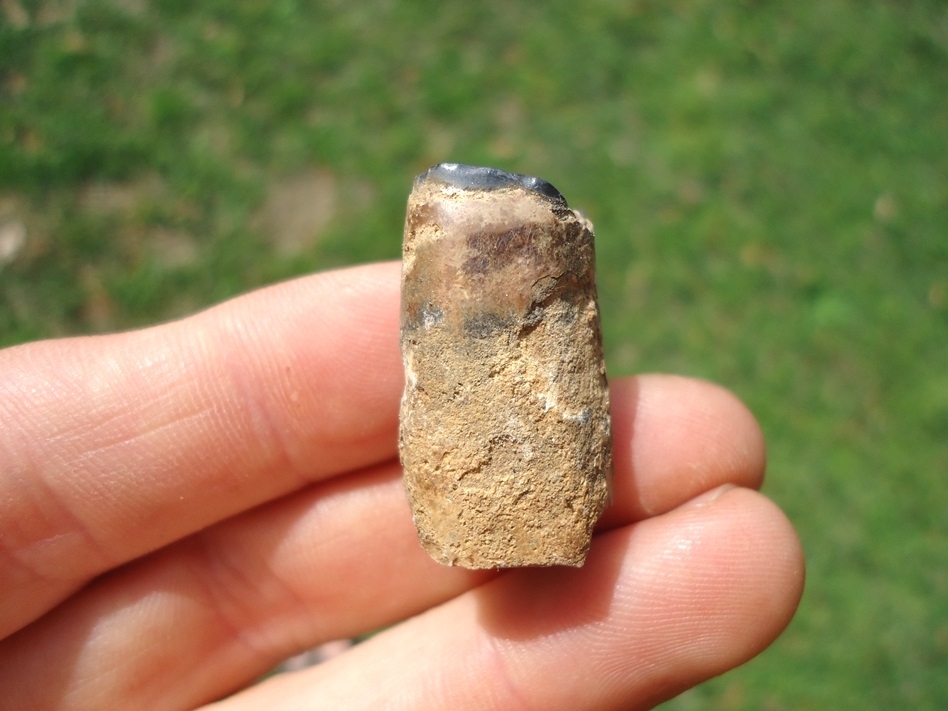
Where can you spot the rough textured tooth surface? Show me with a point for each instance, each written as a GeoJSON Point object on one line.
{"type": "Point", "coordinates": [504, 434]}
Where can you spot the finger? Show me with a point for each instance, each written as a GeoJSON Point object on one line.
{"type": "Point", "coordinates": [113, 446]}
{"type": "Point", "coordinates": [335, 560]}
{"type": "Point", "coordinates": [659, 607]}
{"type": "Point", "coordinates": [226, 605]}
{"type": "Point", "coordinates": [674, 438]}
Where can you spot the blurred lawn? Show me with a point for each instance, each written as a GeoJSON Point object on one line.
{"type": "Point", "coordinates": [769, 184]}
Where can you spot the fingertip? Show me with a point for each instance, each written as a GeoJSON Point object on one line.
{"type": "Point", "coordinates": [714, 583]}
{"type": "Point", "coordinates": [761, 577]}
{"type": "Point", "coordinates": [758, 568]}
{"type": "Point", "coordinates": [676, 437]}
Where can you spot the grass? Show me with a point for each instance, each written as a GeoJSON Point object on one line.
{"type": "Point", "coordinates": [769, 184]}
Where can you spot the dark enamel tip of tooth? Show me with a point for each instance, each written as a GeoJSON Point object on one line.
{"type": "Point", "coordinates": [474, 177]}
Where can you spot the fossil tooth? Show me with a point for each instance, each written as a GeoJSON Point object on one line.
{"type": "Point", "coordinates": [504, 434]}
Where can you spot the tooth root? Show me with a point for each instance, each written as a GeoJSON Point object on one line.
{"type": "Point", "coordinates": [504, 434]}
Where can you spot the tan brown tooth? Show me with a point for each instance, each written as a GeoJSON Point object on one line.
{"type": "Point", "coordinates": [504, 434]}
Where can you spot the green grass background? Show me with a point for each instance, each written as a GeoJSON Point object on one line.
{"type": "Point", "coordinates": [768, 181]}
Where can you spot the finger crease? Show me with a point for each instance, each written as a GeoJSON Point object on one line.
{"type": "Point", "coordinates": [249, 605]}
{"type": "Point", "coordinates": [499, 672]}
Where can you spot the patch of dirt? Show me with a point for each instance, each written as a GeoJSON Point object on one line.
{"type": "Point", "coordinates": [12, 239]}
{"type": "Point", "coordinates": [297, 210]}
{"type": "Point", "coordinates": [118, 198]}
{"type": "Point", "coordinates": [24, 233]}
{"type": "Point", "coordinates": [172, 249]}
{"type": "Point", "coordinates": [167, 247]}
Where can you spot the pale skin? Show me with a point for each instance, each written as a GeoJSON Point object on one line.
{"type": "Point", "coordinates": [184, 506]}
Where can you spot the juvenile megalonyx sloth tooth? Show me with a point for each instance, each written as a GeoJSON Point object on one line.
{"type": "Point", "coordinates": [504, 433]}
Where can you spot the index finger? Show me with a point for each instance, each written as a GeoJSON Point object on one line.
{"type": "Point", "coordinates": [113, 446]}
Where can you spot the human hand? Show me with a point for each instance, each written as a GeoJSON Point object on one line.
{"type": "Point", "coordinates": [184, 506]}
